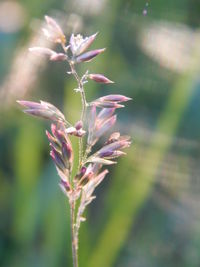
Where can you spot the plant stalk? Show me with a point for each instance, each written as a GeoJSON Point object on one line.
{"type": "Point", "coordinates": [84, 107]}
{"type": "Point", "coordinates": [74, 230]}
{"type": "Point", "coordinates": [74, 236]}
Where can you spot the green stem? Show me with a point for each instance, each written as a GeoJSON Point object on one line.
{"type": "Point", "coordinates": [84, 107]}
{"type": "Point", "coordinates": [74, 228]}
{"type": "Point", "coordinates": [83, 100]}
{"type": "Point", "coordinates": [74, 236]}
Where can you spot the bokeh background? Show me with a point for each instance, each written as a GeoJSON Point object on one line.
{"type": "Point", "coordinates": [147, 211]}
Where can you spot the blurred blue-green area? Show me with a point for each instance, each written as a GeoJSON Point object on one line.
{"type": "Point", "coordinates": [147, 211]}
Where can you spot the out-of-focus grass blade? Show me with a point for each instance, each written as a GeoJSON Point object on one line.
{"type": "Point", "coordinates": [130, 196]}
{"type": "Point", "coordinates": [28, 158]}
{"type": "Point", "coordinates": [55, 239]}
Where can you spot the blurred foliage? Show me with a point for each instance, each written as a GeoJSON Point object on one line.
{"type": "Point", "coordinates": [147, 209]}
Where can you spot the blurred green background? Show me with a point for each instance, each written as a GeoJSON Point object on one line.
{"type": "Point", "coordinates": [147, 211]}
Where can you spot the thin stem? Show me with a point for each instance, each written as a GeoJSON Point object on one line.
{"type": "Point", "coordinates": [84, 107]}
{"type": "Point", "coordinates": [87, 152]}
{"type": "Point", "coordinates": [74, 225]}
{"type": "Point", "coordinates": [83, 100]}
{"type": "Point", "coordinates": [74, 236]}
{"type": "Point", "coordinates": [81, 88]}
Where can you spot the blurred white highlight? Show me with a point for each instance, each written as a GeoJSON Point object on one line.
{"type": "Point", "coordinates": [171, 45]}
{"type": "Point", "coordinates": [89, 7]}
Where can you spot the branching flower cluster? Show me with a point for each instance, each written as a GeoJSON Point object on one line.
{"type": "Point", "coordinates": [97, 117]}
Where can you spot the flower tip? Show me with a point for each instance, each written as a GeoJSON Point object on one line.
{"type": "Point", "coordinates": [27, 111]}
{"type": "Point", "coordinates": [111, 81]}
{"type": "Point", "coordinates": [106, 171]}
{"type": "Point", "coordinates": [35, 49]}
{"type": "Point", "coordinates": [95, 34]}
{"type": "Point", "coordinates": [108, 81]}
{"type": "Point", "coordinates": [21, 102]}
{"type": "Point", "coordinates": [47, 18]}
{"type": "Point", "coordinates": [47, 133]}
{"type": "Point", "coordinates": [119, 106]}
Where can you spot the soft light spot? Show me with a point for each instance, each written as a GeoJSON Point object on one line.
{"type": "Point", "coordinates": [145, 10]}
{"type": "Point", "coordinates": [12, 16]}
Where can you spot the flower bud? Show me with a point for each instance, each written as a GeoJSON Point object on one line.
{"type": "Point", "coordinates": [105, 154]}
{"type": "Point", "coordinates": [53, 108]}
{"type": "Point", "coordinates": [45, 114]}
{"type": "Point", "coordinates": [99, 78]}
{"type": "Point", "coordinates": [61, 136]}
{"type": "Point", "coordinates": [53, 56]}
{"type": "Point", "coordinates": [106, 126]}
{"type": "Point", "coordinates": [50, 137]}
{"type": "Point", "coordinates": [106, 104]}
{"type": "Point", "coordinates": [58, 57]}
{"type": "Point", "coordinates": [111, 154]}
{"type": "Point", "coordinates": [110, 101]}
{"type": "Point", "coordinates": [113, 138]}
{"type": "Point", "coordinates": [99, 160]}
{"type": "Point", "coordinates": [91, 125]}
{"type": "Point", "coordinates": [89, 188]}
{"type": "Point", "coordinates": [78, 44]}
{"type": "Point", "coordinates": [88, 56]}
{"type": "Point", "coordinates": [81, 174]}
{"type": "Point", "coordinates": [115, 146]}
{"type": "Point", "coordinates": [53, 129]}
{"type": "Point", "coordinates": [57, 158]}
{"type": "Point", "coordinates": [99, 178]}
{"type": "Point", "coordinates": [67, 152]}
{"type": "Point", "coordinates": [79, 125]}
{"type": "Point", "coordinates": [92, 118]}
{"type": "Point", "coordinates": [105, 113]}
{"type": "Point", "coordinates": [86, 43]}
{"type": "Point", "coordinates": [43, 110]}
{"type": "Point", "coordinates": [61, 152]}
{"type": "Point", "coordinates": [114, 98]}
{"type": "Point", "coordinates": [65, 185]}
{"type": "Point", "coordinates": [83, 170]}
{"type": "Point", "coordinates": [117, 153]}
{"type": "Point", "coordinates": [71, 130]}
{"type": "Point", "coordinates": [53, 31]}
{"type": "Point", "coordinates": [86, 174]}
{"type": "Point", "coordinates": [29, 104]}
{"type": "Point", "coordinates": [53, 142]}
{"type": "Point", "coordinates": [80, 133]}
{"type": "Point", "coordinates": [75, 132]}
